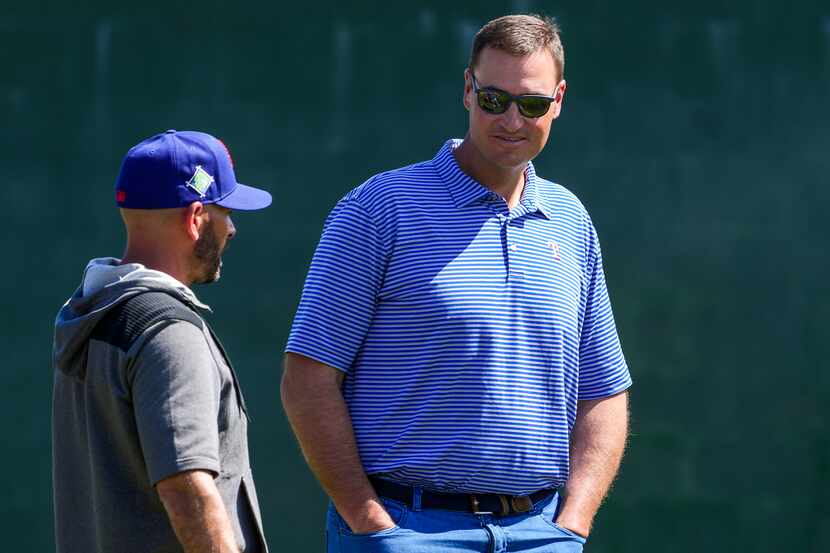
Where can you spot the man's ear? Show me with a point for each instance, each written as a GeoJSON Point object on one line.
{"type": "Point", "coordinates": [468, 88]}
{"type": "Point", "coordinates": [195, 218]}
{"type": "Point", "coordinates": [560, 97]}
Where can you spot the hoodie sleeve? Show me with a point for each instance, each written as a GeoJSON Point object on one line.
{"type": "Point", "coordinates": [175, 393]}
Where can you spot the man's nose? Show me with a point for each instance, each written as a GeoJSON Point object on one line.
{"type": "Point", "coordinates": [512, 120]}
{"type": "Point", "coordinates": [231, 228]}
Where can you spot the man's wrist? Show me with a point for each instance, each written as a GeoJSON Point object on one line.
{"type": "Point", "coordinates": [577, 527]}
{"type": "Point", "coordinates": [367, 517]}
{"type": "Point", "coordinates": [572, 516]}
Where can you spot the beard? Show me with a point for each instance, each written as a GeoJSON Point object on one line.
{"type": "Point", "coordinates": [208, 254]}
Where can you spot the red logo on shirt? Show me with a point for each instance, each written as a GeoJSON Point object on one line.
{"type": "Point", "coordinates": [554, 248]}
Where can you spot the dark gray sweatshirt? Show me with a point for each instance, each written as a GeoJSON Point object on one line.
{"type": "Point", "coordinates": [142, 391]}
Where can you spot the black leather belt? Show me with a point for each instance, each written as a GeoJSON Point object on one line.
{"type": "Point", "coordinates": [480, 504]}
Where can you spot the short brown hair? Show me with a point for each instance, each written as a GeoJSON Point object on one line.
{"type": "Point", "coordinates": [520, 35]}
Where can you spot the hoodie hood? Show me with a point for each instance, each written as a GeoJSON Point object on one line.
{"type": "Point", "coordinates": [105, 284]}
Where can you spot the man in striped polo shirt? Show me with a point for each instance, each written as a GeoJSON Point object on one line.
{"type": "Point", "coordinates": [453, 373]}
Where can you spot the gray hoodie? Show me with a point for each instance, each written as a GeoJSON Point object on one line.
{"type": "Point", "coordinates": [142, 391]}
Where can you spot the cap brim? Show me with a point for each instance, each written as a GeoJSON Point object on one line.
{"type": "Point", "coordinates": [246, 198]}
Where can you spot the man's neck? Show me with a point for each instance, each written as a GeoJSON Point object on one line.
{"type": "Point", "coordinates": [154, 259]}
{"type": "Point", "coordinates": [506, 182]}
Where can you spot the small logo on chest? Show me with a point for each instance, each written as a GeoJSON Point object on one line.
{"type": "Point", "coordinates": [554, 250]}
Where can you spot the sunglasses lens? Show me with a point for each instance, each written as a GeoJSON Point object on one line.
{"type": "Point", "coordinates": [533, 107]}
{"type": "Point", "coordinates": [492, 101]}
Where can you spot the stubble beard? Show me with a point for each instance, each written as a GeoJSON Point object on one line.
{"type": "Point", "coordinates": [208, 254]}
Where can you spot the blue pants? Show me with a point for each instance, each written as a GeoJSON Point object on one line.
{"type": "Point", "coordinates": [436, 530]}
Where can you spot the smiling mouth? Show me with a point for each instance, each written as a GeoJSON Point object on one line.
{"type": "Point", "coordinates": [509, 139]}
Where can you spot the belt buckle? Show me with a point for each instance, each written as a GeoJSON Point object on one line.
{"type": "Point", "coordinates": [521, 503]}
{"type": "Point", "coordinates": [474, 506]}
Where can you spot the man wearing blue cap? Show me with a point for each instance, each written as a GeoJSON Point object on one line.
{"type": "Point", "coordinates": [149, 426]}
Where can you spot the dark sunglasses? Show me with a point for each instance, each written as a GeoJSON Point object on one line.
{"type": "Point", "coordinates": [495, 101]}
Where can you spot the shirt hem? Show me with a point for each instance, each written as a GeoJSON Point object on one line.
{"type": "Point", "coordinates": [182, 465]}
{"type": "Point", "coordinates": [607, 393]}
{"type": "Point", "coordinates": [315, 357]}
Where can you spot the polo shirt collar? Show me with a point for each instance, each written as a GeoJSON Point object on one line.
{"type": "Point", "coordinates": [532, 197]}
{"type": "Point", "coordinates": [465, 190]}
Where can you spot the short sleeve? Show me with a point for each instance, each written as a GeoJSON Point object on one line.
{"type": "Point", "coordinates": [603, 370]}
{"type": "Point", "coordinates": [175, 394]}
{"type": "Point", "coordinates": [340, 292]}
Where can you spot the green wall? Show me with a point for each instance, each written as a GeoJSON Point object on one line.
{"type": "Point", "coordinates": [698, 137]}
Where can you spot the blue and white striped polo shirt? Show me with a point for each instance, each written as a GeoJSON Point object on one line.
{"type": "Point", "coordinates": [467, 331]}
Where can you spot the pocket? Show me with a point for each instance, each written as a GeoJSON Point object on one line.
{"type": "Point", "coordinates": [549, 513]}
{"type": "Point", "coordinates": [564, 533]}
{"type": "Point", "coordinates": [397, 512]}
{"type": "Point", "coordinates": [567, 532]}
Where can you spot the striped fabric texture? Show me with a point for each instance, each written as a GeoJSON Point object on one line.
{"type": "Point", "coordinates": [467, 331]}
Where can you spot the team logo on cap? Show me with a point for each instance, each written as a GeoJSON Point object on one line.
{"type": "Point", "coordinates": [200, 181]}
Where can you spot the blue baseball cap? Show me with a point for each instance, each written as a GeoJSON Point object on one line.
{"type": "Point", "coordinates": [177, 168]}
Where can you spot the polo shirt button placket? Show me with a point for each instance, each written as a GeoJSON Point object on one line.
{"type": "Point", "coordinates": [513, 275]}
{"type": "Point", "coordinates": [505, 242]}
{"type": "Point", "coordinates": [517, 273]}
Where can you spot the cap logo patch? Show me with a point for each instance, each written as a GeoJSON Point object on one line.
{"type": "Point", "coordinates": [200, 181]}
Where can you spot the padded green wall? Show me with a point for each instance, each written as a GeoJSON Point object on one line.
{"type": "Point", "coordinates": [698, 137]}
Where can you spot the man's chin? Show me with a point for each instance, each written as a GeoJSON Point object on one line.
{"type": "Point", "coordinates": [508, 160]}
{"type": "Point", "coordinates": [211, 277]}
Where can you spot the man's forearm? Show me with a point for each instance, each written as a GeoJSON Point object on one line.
{"type": "Point", "coordinates": [197, 513]}
{"type": "Point", "coordinates": [320, 419]}
{"type": "Point", "coordinates": [597, 444]}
